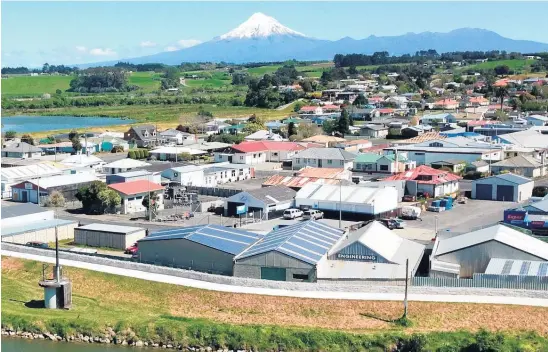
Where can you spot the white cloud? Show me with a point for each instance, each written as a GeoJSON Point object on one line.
{"type": "Point", "coordinates": [102, 52]}
{"type": "Point", "coordinates": [81, 49]}
{"type": "Point", "coordinates": [187, 43]}
{"type": "Point", "coordinates": [171, 48]}
{"type": "Point", "coordinates": [147, 44]}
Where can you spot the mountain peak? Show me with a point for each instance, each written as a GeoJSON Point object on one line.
{"type": "Point", "coordinates": [259, 25]}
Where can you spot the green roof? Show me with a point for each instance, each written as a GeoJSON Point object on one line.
{"type": "Point", "coordinates": [367, 158]}
{"type": "Point", "coordinates": [393, 157]}
{"type": "Point", "coordinates": [294, 120]}
{"type": "Point", "coordinates": [237, 127]}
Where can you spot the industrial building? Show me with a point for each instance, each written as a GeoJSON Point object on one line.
{"type": "Point", "coordinates": [123, 165]}
{"type": "Point", "coordinates": [135, 175]}
{"type": "Point", "coordinates": [503, 187]}
{"type": "Point", "coordinates": [207, 248]}
{"type": "Point", "coordinates": [290, 253]}
{"type": "Point", "coordinates": [355, 201]}
{"type": "Point", "coordinates": [67, 185]}
{"type": "Point", "coordinates": [22, 223]}
{"type": "Point", "coordinates": [269, 201]}
{"type": "Point", "coordinates": [371, 253]}
{"type": "Point", "coordinates": [499, 266]}
{"type": "Point", "coordinates": [14, 175]}
{"type": "Point", "coordinates": [464, 255]}
{"type": "Point", "coordinates": [107, 235]}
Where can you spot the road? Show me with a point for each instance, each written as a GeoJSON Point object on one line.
{"type": "Point", "coordinates": [368, 296]}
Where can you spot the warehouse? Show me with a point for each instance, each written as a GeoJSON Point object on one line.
{"type": "Point", "coordinates": [499, 266]}
{"type": "Point", "coordinates": [371, 253]}
{"type": "Point", "coordinates": [207, 248]}
{"type": "Point", "coordinates": [14, 175]}
{"type": "Point", "coordinates": [504, 187]}
{"type": "Point", "coordinates": [25, 213]}
{"type": "Point", "coordinates": [470, 253]}
{"type": "Point", "coordinates": [355, 201]}
{"type": "Point", "coordinates": [67, 185]}
{"type": "Point", "coordinates": [107, 235]}
{"type": "Point", "coordinates": [134, 176]}
{"type": "Point", "coordinates": [290, 253]}
{"type": "Point", "coordinates": [270, 201]}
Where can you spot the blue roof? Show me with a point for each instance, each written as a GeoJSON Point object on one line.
{"type": "Point", "coordinates": [520, 180]}
{"type": "Point", "coordinates": [307, 241]}
{"type": "Point", "coordinates": [538, 206]}
{"type": "Point", "coordinates": [225, 239]}
{"type": "Point", "coordinates": [35, 226]}
{"type": "Point", "coordinates": [274, 124]}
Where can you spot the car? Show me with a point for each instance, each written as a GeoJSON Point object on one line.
{"type": "Point", "coordinates": [388, 223]}
{"type": "Point", "coordinates": [409, 198]}
{"type": "Point", "coordinates": [132, 249]}
{"type": "Point", "coordinates": [37, 244]}
{"type": "Point", "coordinates": [399, 224]}
{"type": "Point", "coordinates": [293, 213]}
{"type": "Point", "coordinates": [312, 214]}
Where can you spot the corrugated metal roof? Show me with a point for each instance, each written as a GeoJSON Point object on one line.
{"type": "Point", "coordinates": [126, 164]}
{"type": "Point", "coordinates": [326, 153]}
{"type": "Point", "coordinates": [320, 172]}
{"type": "Point", "coordinates": [32, 171]}
{"type": "Point", "coordinates": [299, 182]}
{"type": "Point", "coordinates": [268, 195]}
{"type": "Point", "coordinates": [519, 180]}
{"type": "Point", "coordinates": [500, 266]}
{"type": "Point", "coordinates": [428, 136]}
{"type": "Point", "coordinates": [63, 180]}
{"type": "Point", "coordinates": [21, 147]}
{"type": "Point", "coordinates": [307, 241]}
{"type": "Point", "coordinates": [520, 161]}
{"type": "Point", "coordinates": [538, 206]}
{"type": "Point", "coordinates": [499, 233]}
{"type": "Point", "coordinates": [82, 160]}
{"type": "Point", "coordinates": [35, 226]}
{"type": "Point", "coordinates": [21, 209]}
{"type": "Point", "coordinates": [346, 194]}
{"type": "Point", "coordinates": [110, 228]}
{"type": "Point", "coordinates": [225, 239]}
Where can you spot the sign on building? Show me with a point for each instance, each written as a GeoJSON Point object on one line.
{"type": "Point", "coordinates": [241, 209]}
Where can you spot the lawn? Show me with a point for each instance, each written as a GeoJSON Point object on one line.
{"type": "Point", "coordinates": [157, 309]}
{"type": "Point", "coordinates": [15, 86]}
{"type": "Point", "coordinates": [515, 64]}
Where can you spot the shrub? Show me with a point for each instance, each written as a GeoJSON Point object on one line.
{"type": "Point", "coordinates": [131, 154]}
{"type": "Point", "coordinates": [117, 149]}
{"type": "Point", "coordinates": [55, 199]}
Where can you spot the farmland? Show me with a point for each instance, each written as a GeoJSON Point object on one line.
{"type": "Point", "coordinates": [34, 86]}
{"type": "Point", "coordinates": [176, 313]}
{"type": "Point", "coordinates": [148, 81]}
{"type": "Point", "coordinates": [515, 64]}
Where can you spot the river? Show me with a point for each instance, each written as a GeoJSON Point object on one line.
{"type": "Point", "coordinates": [26, 124]}
{"type": "Point", "coordinates": [10, 344]}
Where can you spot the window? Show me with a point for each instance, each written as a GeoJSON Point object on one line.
{"type": "Point", "coordinates": [300, 277]}
{"type": "Point", "coordinates": [329, 161]}
{"type": "Point", "coordinates": [436, 144]}
{"type": "Point", "coordinates": [254, 156]}
{"type": "Point", "coordinates": [298, 161]}
{"type": "Point", "coordinates": [233, 172]}
{"type": "Point", "coordinates": [139, 197]}
{"type": "Point", "coordinates": [384, 167]}
{"type": "Point", "coordinates": [419, 153]}
{"type": "Point", "coordinates": [130, 199]}
{"type": "Point", "coordinates": [342, 162]}
{"type": "Point", "coordinates": [274, 154]}
{"type": "Point", "coordinates": [241, 157]}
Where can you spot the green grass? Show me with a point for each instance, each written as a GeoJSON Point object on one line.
{"type": "Point", "coordinates": [33, 85]}
{"type": "Point", "coordinates": [213, 82]}
{"type": "Point", "coordinates": [148, 81]}
{"type": "Point", "coordinates": [515, 64]}
{"type": "Point", "coordinates": [262, 70]}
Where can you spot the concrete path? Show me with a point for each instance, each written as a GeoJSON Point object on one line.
{"type": "Point", "coordinates": [368, 296]}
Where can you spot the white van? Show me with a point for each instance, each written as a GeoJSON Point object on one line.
{"type": "Point", "coordinates": [293, 213]}
{"type": "Point", "coordinates": [312, 214]}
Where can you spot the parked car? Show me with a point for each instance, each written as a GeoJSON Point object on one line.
{"type": "Point", "coordinates": [37, 244]}
{"type": "Point", "coordinates": [312, 214]}
{"type": "Point", "coordinates": [132, 249]}
{"type": "Point", "coordinates": [292, 213]}
{"type": "Point", "coordinates": [388, 223]}
{"type": "Point", "coordinates": [399, 224]}
{"type": "Point", "coordinates": [409, 198]}
{"type": "Point", "coordinates": [411, 213]}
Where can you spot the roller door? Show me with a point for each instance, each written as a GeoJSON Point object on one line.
{"type": "Point", "coordinates": [484, 192]}
{"type": "Point", "coordinates": [275, 274]}
{"type": "Point", "coordinates": [505, 193]}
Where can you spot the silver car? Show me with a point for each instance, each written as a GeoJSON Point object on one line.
{"type": "Point", "coordinates": [313, 214]}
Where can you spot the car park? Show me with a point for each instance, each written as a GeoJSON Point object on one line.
{"type": "Point", "coordinates": [293, 213]}
{"type": "Point", "coordinates": [312, 214]}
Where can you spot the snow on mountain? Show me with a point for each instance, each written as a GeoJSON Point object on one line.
{"type": "Point", "coordinates": [259, 25]}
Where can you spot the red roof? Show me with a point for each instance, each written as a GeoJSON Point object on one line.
{"type": "Point", "coordinates": [136, 187]}
{"type": "Point", "coordinates": [321, 172]}
{"type": "Point", "coordinates": [480, 122]}
{"type": "Point", "coordinates": [375, 99]}
{"type": "Point", "coordinates": [331, 107]}
{"type": "Point", "coordinates": [386, 111]}
{"type": "Point", "coordinates": [446, 102]}
{"type": "Point", "coordinates": [260, 146]}
{"type": "Point", "coordinates": [375, 148]}
{"type": "Point", "coordinates": [477, 99]}
{"type": "Point", "coordinates": [435, 176]}
{"type": "Point", "coordinates": [308, 108]}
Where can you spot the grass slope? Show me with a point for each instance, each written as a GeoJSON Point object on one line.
{"type": "Point", "coordinates": [148, 81]}
{"type": "Point", "coordinates": [161, 311]}
{"type": "Point", "coordinates": [514, 64]}
{"type": "Point", "coordinates": [34, 85]}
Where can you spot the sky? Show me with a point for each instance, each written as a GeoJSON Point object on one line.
{"type": "Point", "coordinates": [82, 32]}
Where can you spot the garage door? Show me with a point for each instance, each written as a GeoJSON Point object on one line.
{"type": "Point", "coordinates": [505, 193]}
{"type": "Point", "coordinates": [484, 192]}
{"type": "Point", "coordinates": [275, 274]}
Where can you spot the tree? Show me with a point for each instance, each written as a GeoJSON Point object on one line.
{"type": "Point", "coordinates": [360, 100]}
{"type": "Point", "coordinates": [329, 126]}
{"type": "Point", "coordinates": [76, 144]}
{"type": "Point", "coordinates": [152, 205]}
{"type": "Point", "coordinates": [27, 138]}
{"type": "Point", "coordinates": [58, 92]}
{"type": "Point", "coordinates": [501, 94]}
{"type": "Point", "coordinates": [536, 91]}
{"type": "Point", "coordinates": [131, 154]}
{"type": "Point", "coordinates": [352, 70]}
{"type": "Point", "coordinates": [184, 156]}
{"type": "Point", "coordinates": [307, 130]}
{"type": "Point", "coordinates": [291, 129]}
{"type": "Point", "coordinates": [97, 197]}
{"type": "Point", "coordinates": [10, 134]}
{"type": "Point", "coordinates": [55, 199]}
{"type": "Point", "coordinates": [540, 191]}
{"type": "Point", "coordinates": [502, 70]}
{"type": "Point", "coordinates": [72, 134]}
{"type": "Point", "coordinates": [343, 123]}
{"type": "Point", "coordinates": [297, 107]}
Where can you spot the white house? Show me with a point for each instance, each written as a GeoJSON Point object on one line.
{"type": "Point", "coordinates": [225, 172]}
{"type": "Point", "coordinates": [175, 136]}
{"type": "Point", "coordinates": [258, 152]}
{"type": "Point", "coordinates": [264, 135]}
{"type": "Point", "coordinates": [132, 194]}
{"type": "Point", "coordinates": [21, 150]}
{"type": "Point", "coordinates": [189, 175]}
{"type": "Point", "coordinates": [123, 165]}
{"type": "Point", "coordinates": [172, 153]}
{"type": "Point", "coordinates": [323, 157]}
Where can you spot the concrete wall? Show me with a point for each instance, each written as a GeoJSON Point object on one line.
{"type": "Point", "coordinates": [186, 254]}
{"type": "Point", "coordinates": [64, 232]}
{"type": "Point", "coordinates": [107, 239]}
{"type": "Point", "coordinates": [251, 267]}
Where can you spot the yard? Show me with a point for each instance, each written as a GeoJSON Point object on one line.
{"type": "Point", "coordinates": [153, 309]}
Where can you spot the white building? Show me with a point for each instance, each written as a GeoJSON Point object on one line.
{"type": "Point", "coordinates": [133, 193]}
{"type": "Point", "coordinates": [190, 175]}
{"type": "Point", "coordinates": [324, 158]}
{"type": "Point", "coordinates": [123, 165]}
{"type": "Point", "coordinates": [83, 161]}
{"type": "Point", "coordinates": [503, 187]}
{"type": "Point", "coordinates": [258, 152]}
{"type": "Point", "coordinates": [14, 175]}
{"type": "Point", "coordinates": [177, 137]}
{"type": "Point", "coordinates": [172, 153]}
{"type": "Point", "coordinates": [264, 135]}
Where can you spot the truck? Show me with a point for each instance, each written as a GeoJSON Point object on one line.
{"type": "Point", "coordinates": [410, 212]}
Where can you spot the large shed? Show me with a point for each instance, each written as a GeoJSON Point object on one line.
{"type": "Point", "coordinates": [207, 248]}
{"type": "Point", "coordinates": [40, 231]}
{"type": "Point", "coordinates": [270, 201]}
{"type": "Point", "coordinates": [371, 253]}
{"type": "Point", "coordinates": [470, 253]}
{"type": "Point", "coordinates": [67, 185]}
{"type": "Point", "coordinates": [290, 253]}
{"type": "Point", "coordinates": [107, 235]}
{"type": "Point", "coordinates": [503, 187]}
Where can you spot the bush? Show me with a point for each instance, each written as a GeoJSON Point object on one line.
{"type": "Point", "coordinates": [117, 149]}
{"type": "Point", "coordinates": [55, 199]}
{"type": "Point", "coordinates": [473, 175]}
{"type": "Point", "coordinates": [131, 154]}
{"type": "Point", "coordinates": [540, 191]}
{"type": "Point", "coordinates": [141, 154]}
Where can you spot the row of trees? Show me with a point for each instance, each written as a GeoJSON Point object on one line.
{"type": "Point", "coordinates": [264, 92]}
{"type": "Point", "coordinates": [46, 68]}
{"type": "Point", "coordinates": [140, 67]}
{"type": "Point", "coordinates": [100, 80]}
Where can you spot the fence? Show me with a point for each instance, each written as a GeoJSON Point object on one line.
{"type": "Point", "coordinates": [213, 191]}
{"type": "Point", "coordinates": [486, 281]}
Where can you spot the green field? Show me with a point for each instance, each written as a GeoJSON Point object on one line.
{"type": "Point", "coordinates": [33, 85]}
{"type": "Point", "coordinates": [515, 64]}
{"type": "Point", "coordinates": [148, 81]}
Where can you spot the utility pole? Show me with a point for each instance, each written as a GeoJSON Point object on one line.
{"type": "Point", "coordinates": [149, 201]}
{"type": "Point", "coordinates": [406, 286]}
{"type": "Point", "coordinates": [38, 187]}
{"type": "Point", "coordinates": [57, 268]}
{"type": "Point", "coordinates": [340, 204]}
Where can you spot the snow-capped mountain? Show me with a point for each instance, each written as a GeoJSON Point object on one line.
{"type": "Point", "coordinates": [263, 39]}
{"type": "Point", "coordinates": [259, 25]}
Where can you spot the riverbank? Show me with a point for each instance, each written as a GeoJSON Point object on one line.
{"type": "Point", "coordinates": [119, 308]}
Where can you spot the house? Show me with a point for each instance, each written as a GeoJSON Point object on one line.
{"type": "Point", "coordinates": [225, 172]}
{"type": "Point", "coordinates": [524, 165]}
{"type": "Point", "coordinates": [178, 137]}
{"type": "Point", "coordinates": [135, 175]}
{"type": "Point", "coordinates": [415, 131]}
{"type": "Point", "coordinates": [144, 136]}
{"type": "Point", "coordinates": [133, 193]}
{"type": "Point", "coordinates": [399, 102]}
{"type": "Point", "coordinates": [537, 120]}
{"type": "Point", "coordinates": [367, 114]}
{"type": "Point", "coordinates": [274, 125]}
{"type": "Point", "coordinates": [429, 181]}
{"type": "Point", "coordinates": [189, 175]}
{"type": "Point", "coordinates": [354, 145]}
{"type": "Point", "coordinates": [21, 150]}
{"type": "Point", "coordinates": [236, 129]}
{"type": "Point", "coordinates": [323, 158]}
{"type": "Point", "coordinates": [454, 165]}
{"type": "Point", "coordinates": [325, 140]}
{"type": "Point", "coordinates": [267, 202]}
{"type": "Point", "coordinates": [370, 162]}
{"type": "Point", "coordinates": [395, 128]}
{"type": "Point", "coordinates": [106, 144]}
{"type": "Point", "coordinates": [258, 152]}
{"type": "Point", "coordinates": [391, 88]}
{"type": "Point", "coordinates": [446, 104]}
{"type": "Point", "coordinates": [311, 110]}
{"type": "Point", "coordinates": [374, 131]}
{"type": "Point", "coordinates": [478, 101]}
{"type": "Point", "coordinates": [503, 187]}
{"type": "Point", "coordinates": [88, 147]}
{"type": "Point", "coordinates": [175, 153]}
{"type": "Point", "coordinates": [67, 185]}
{"type": "Point", "coordinates": [263, 135]}
{"type": "Point", "coordinates": [437, 119]}
{"type": "Point", "coordinates": [478, 166]}
{"type": "Point", "coordinates": [83, 162]}
{"type": "Point", "coordinates": [123, 165]}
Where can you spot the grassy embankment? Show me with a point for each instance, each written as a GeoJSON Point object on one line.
{"type": "Point", "coordinates": [162, 312]}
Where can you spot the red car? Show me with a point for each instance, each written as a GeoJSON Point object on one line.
{"type": "Point", "coordinates": [132, 249]}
